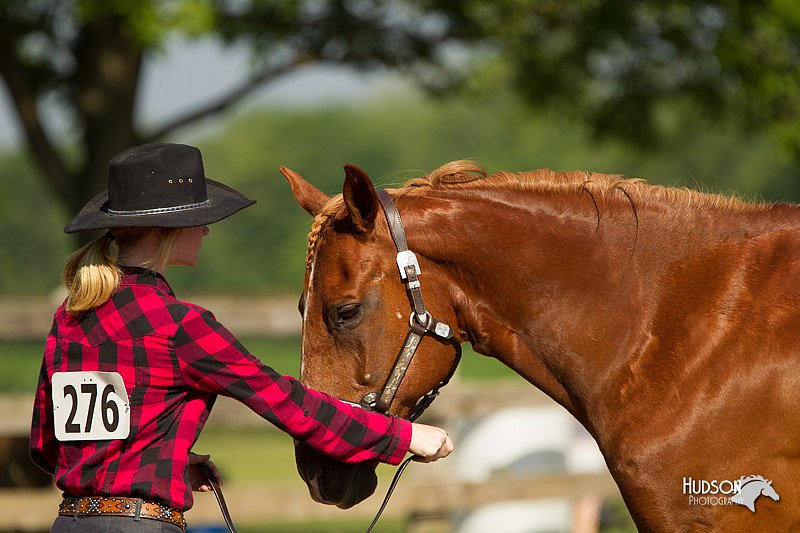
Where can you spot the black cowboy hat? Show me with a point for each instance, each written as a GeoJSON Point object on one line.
{"type": "Point", "coordinates": [158, 185]}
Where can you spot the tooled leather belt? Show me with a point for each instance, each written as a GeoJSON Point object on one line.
{"type": "Point", "coordinates": [114, 506]}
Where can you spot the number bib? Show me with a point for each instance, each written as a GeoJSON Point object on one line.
{"type": "Point", "coordinates": [90, 406]}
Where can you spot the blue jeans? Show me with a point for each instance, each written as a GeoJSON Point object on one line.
{"type": "Point", "coordinates": [111, 524]}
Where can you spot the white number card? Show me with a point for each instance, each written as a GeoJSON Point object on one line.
{"type": "Point", "coordinates": [90, 406]}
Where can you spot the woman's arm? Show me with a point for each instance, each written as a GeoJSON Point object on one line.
{"type": "Point", "coordinates": [212, 359]}
{"type": "Point", "coordinates": [43, 440]}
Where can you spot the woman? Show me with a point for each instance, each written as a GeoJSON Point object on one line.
{"type": "Point", "coordinates": [130, 372]}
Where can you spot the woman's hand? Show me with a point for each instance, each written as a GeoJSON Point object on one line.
{"type": "Point", "coordinates": [197, 478]}
{"type": "Point", "coordinates": [429, 443]}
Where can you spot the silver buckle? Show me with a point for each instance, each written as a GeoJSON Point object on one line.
{"type": "Point", "coordinates": [422, 319]}
{"type": "Point", "coordinates": [406, 259]}
{"type": "Point", "coordinates": [442, 330]}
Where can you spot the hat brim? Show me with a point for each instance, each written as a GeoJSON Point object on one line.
{"type": "Point", "coordinates": [223, 201]}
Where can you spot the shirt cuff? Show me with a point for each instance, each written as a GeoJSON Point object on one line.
{"type": "Point", "coordinates": [403, 437]}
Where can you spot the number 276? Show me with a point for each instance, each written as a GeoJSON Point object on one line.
{"type": "Point", "coordinates": [109, 412]}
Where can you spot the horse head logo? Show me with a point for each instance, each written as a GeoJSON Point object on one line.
{"type": "Point", "coordinates": [750, 488]}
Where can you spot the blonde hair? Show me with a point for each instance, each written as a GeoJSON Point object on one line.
{"type": "Point", "coordinates": [92, 274]}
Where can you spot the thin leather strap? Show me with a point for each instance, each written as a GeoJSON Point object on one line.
{"type": "Point", "coordinates": [223, 507]}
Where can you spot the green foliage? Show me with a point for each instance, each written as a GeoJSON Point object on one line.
{"type": "Point", "coordinates": [88, 54]}
{"type": "Point", "coordinates": [616, 63]}
{"type": "Point", "coordinates": [33, 246]}
{"type": "Point", "coordinates": [151, 22]}
{"type": "Point", "coordinates": [20, 363]}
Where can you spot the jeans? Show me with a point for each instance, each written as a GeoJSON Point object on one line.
{"type": "Point", "coordinates": [111, 524]}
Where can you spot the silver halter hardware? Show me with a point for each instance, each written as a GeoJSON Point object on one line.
{"type": "Point", "coordinates": [421, 323]}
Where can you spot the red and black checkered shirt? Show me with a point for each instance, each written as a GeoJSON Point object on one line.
{"type": "Point", "coordinates": [175, 358]}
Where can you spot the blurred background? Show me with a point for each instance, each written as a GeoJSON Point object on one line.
{"type": "Point", "coordinates": [690, 94]}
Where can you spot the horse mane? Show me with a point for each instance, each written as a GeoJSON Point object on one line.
{"type": "Point", "coordinates": [467, 175]}
{"type": "Point", "coordinates": [745, 480]}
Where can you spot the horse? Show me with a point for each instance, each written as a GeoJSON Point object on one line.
{"type": "Point", "coordinates": [665, 320]}
{"type": "Point", "coordinates": [750, 488]}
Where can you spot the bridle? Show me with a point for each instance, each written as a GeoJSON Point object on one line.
{"type": "Point", "coordinates": [421, 323]}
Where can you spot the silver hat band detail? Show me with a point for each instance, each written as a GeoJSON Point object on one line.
{"type": "Point", "coordinates": [158, 210]}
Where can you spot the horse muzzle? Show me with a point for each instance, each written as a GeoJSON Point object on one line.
{"type": "Point", "coordinates": [332, 482]}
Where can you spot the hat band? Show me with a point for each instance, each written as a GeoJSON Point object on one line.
{"type": "Point", "coordinates": [158, 210]}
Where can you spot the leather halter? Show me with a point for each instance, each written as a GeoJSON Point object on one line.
{"type": "Point", "coordinates": [421, 323]}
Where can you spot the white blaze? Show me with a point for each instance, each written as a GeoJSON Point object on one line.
{"type": "Point", "coordinates": [305, 318]}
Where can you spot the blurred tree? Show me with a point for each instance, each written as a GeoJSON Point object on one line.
{"type": "Point", "coordinates": [88, 55]}
{"type": "Point", "coordinates": [613, 63]}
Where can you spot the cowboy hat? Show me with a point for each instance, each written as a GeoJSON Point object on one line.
{"type": "Point", "coordinates": [158, 185]}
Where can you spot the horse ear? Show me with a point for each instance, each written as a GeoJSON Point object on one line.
{"type": "Point", "coordinates": [309, 197]}
{"type": "Point", "coordinates": [360, 198]}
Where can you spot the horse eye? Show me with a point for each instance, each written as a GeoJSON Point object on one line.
{"type": "Point", "coordinates": [346, 315]}
{"type": "Point", "coordinates": [301, 305]}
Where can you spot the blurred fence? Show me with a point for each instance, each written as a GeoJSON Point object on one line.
{"type": "Point", "coordinates": [23, 318]}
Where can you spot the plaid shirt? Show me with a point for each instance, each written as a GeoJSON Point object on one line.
{"type": "Point", "coordinates": [175, 358]}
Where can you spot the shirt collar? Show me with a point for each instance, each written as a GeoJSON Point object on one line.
{"type": "Point", "coordinates": [143, 276]}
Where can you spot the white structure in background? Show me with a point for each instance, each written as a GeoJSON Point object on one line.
{"type": "Point", "coordinates": [535, 516]}
{"type": "Point", "coordinates": [526, 441]}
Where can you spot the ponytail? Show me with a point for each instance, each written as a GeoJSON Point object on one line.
{"type": "Point", "coordinates": [91, 275]}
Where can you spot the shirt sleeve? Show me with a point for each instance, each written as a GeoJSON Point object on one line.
{"type": "Point", "coordinates": [213, 360]}
{"type": "Point", "coordinates": [43, 441]}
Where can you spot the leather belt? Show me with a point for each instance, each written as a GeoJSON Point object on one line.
{"type": "Point", "coordinates": [114, 506]}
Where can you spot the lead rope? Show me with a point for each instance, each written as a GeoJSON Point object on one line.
{"type": "Point", "coordinates": [226, 515]}
{"type": "Point", "coordinates": [389, 492]}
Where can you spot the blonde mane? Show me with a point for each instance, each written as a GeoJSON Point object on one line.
{"type": "Point", "coordinates": [468, 175]}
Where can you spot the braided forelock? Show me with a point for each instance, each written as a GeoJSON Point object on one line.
{"type": "Point", "coordinates": [332, 210]}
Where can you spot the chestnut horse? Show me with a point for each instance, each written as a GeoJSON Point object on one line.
{"type": "Point", "coordinates": [667, 321]}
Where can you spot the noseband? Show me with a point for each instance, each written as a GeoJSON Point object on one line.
{"type": "Point", "coordinates": [421, 323]}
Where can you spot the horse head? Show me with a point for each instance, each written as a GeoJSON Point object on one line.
{"type": "Point", "coordinates": [769, 491]}
{"type": "Point", "coordinates": [751, 487]}
{"type": "Point", "coordinates": [355, 315]}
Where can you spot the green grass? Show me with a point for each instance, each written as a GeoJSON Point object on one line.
{"type": "Point", "coordinates": [260, 456]}
{"type": "Point", "coordinates": [250, 456]}
{"type": "Point", "coordinates": [20, 362]}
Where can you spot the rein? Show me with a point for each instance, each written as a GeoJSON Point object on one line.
{"type": "Point", "coordinates": [223, 507]}
{"type": "Point", "coordinates": [421, 323]}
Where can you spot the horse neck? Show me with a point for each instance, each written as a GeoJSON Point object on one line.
{"type": "Point", "coordinates": [538, 284]}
